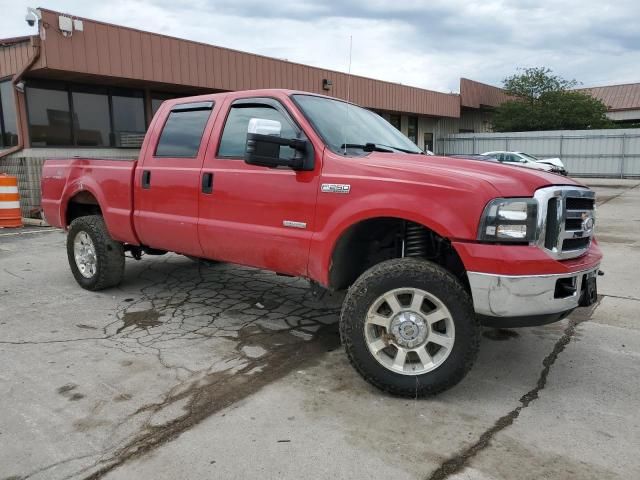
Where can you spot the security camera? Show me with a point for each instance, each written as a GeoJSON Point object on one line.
{"type": "Point", "coordinates": [32, 16]}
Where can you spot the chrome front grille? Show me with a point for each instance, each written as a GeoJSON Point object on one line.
{"type": "Point", "coordinates": [566, 217]}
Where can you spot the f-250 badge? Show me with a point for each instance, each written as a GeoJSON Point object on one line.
{"type": "Point", "coordinates": [335, 188]}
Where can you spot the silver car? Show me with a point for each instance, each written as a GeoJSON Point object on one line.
{"type": "Point", "coordinates": [522, 159]}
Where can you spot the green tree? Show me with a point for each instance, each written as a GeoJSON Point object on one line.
{"type": "Point", "coordinates": [544, 101]}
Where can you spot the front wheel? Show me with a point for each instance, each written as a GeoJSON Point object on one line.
{"type": "Point", "coordinates": [409, 328]}
{"type": "Point", "coordinates": [96, 260]}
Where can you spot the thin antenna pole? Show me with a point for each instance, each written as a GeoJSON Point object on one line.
{"type": "Point", "coordinates": [349, 74]}
{"type": "Point", "coordinates": [348, 93]}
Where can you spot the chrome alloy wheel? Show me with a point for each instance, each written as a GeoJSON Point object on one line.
{"type": "Point", "coordinates": [84, 253]}
{"type": "Point", "coordinates": [409, 331]}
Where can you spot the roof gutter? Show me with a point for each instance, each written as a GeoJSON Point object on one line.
{"type": "Point", "coordinates": [35, 43]}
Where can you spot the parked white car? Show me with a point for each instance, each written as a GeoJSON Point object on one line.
{"type": "Point", "coordinates": [522, 159]}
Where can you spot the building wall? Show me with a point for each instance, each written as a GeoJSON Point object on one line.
{"type": "Point", "coordinates": [477, 95]}
{"type": "Point", "coordinates": [14, 57]}
{"type": "Point", "coordinates": [624, 115]}
{"type": "Point", "coordinates": [105, 50]}
{"type": "Point", "coordinates": [476, 121]}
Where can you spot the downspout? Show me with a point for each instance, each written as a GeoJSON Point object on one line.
{"type": "Point", "coordinates": [35, 43]}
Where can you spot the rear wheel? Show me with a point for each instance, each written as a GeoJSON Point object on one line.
{"type": "Point", "coordinates": [409, 328]}
{"type": "Point", "coordinates": [96, 260]}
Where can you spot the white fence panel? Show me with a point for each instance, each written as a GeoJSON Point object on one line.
{"type": "Point", "coordinates": [607, 153]}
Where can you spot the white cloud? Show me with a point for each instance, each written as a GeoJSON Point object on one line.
{"type": "Point", "coordinates": [430, 44]}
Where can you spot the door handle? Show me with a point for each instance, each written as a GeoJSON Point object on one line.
{"type": "Point", "coordinates": [146, 179]}
{"type": "Point", "coordinates": [207, 182]}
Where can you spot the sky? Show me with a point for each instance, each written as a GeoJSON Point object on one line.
{"type": "Point", "coordinates": [423, 43]}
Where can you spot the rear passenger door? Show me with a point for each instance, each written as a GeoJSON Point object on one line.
{"type": "Point", "coordinates": [253, 215]}
{"type": "Point", "coordinates": [167, 179]}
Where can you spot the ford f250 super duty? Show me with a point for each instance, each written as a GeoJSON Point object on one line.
{"type": "Point", "coordinates": [426, 248]}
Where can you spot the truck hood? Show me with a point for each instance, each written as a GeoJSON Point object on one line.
{"type": "Point", "coordinates": [507, 180]}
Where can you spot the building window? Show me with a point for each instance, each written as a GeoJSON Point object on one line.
{"type": "Point", "coordinates": [158, 99]}
{"type": "Point", "coordinates": [49, 117]}
{"type": "Point", "coordinates": [155, 105]}
{"type": "Point", "coordinates": [128, 120]}
{"type": "Point", "coordinates": [182, 133]}
{"type": "Point", "coordinates": [8, 121]}
{"type": "Point", "coordinates": [412, 131]}
{"type": "Point", "coordinates": [396, 121]}
{"type": "Point", "coordinates": [84, 116]}
{"type": "Point", "coordinates": [91, 126]}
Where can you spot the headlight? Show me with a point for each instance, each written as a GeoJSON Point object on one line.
{"type": "Point", "coordinates": [509, 220]}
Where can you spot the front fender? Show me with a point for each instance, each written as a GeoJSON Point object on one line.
{"type": "Point", "coordinates": [436, 214]}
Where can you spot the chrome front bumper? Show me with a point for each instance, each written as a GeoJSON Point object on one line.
{"type": "Point", "coordinates": [522, 296]}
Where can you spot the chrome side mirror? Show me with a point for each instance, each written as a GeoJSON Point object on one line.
{"type": "Point", "coordinates": [262, 126]}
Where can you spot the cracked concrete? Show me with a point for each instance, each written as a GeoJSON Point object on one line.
{"type": "Point", "coordinates": [179, 342]}
{"type": "Point", "coordinates": [220, 371]}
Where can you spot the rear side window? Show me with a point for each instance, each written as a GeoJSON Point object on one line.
{"type": "Point", "coordinates": [182, 132]}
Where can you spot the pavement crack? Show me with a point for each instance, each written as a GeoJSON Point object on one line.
{"type": "Point", "coordinates": [218, 390]}
{"type": "Point", "coordinates": [619, 195]}
{"type": "Point", "coordinates": [45, 342]}
{"type": "Point", "coordinates": [460, 460]}
{"type": "Point", "coordinates": [622, 297]}
{"type": "Point", "coordinates": [13, 274]}
{"type": "Point", "coordinates": [264, 327]}
{"type": "Point", "coordinates": [272, 324]}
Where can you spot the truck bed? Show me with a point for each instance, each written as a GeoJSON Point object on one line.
{"type": "Point", "coordinates": [109, 181]}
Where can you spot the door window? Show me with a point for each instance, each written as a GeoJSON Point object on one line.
{"type": "Point", "coordinates": [428, 141]}
{"type": "Point", "coordinates": [234, 136]}
{"type": "Point", "coordinates": [396, 121]}
{"type": "Point", "coordinates": [182, 132]}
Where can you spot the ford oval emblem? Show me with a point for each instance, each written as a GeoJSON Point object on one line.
{"type": "Point", "coordinates": [587, 222]}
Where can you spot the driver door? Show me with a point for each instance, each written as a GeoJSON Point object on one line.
{"type": "Point", "coordinates": [253, 215]}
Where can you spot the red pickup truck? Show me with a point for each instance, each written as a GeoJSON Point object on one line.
{"type": "Point", "coordinates": [426, 248]}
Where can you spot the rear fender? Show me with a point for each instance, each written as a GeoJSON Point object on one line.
{"type": "Point", "coordinates": [116, 217]}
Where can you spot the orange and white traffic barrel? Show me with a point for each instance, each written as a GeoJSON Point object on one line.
{"type": "Point", "coordinates": [10, 215]}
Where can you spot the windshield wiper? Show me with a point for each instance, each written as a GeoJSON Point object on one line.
{"type": "Point", "coordinates": [399, 149]}
{"type": "Point", "coordinates": [368, 147]}
{"type": "Point", "coordinates": [378, 147]}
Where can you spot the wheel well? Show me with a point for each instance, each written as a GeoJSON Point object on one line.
{"type": "Point", "coordinates": [375, 240]}
{"type": "Point", "coordinates": [80, 205]}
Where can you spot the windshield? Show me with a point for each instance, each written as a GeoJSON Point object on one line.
{"type": "Point", "coordinates": [345, 126]}
{"type": "Point", "coordinates": [529, 157]}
